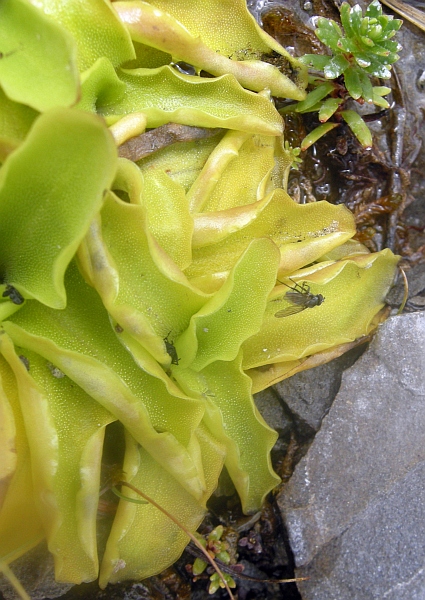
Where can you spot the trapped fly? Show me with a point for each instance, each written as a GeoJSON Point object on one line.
{"type": "Point", "coordinates": [301, 298]}
{"type": "Point", "coordinates": [171, 350]}
{"type": "Point", "coordinates": [13, 295]}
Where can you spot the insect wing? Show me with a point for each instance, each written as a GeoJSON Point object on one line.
{"type": "Point", "coordinates": [289, 310]}
{"type": "Point", "coordinates": [297, 298]}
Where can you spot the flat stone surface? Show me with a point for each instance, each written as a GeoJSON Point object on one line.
{"type": "Point", "coordinates": [309, 394]}
{"type": "Point", "coordinates": [381, 555]}
{"type": "Point", "coordinates": [35, 571]}
{"type": "Point", "coordinates": [355, 506]}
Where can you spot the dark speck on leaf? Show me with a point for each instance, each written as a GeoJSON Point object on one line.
{"type": "Point", "coordinates": [55, 371]}
{"type": "Point", "coordinates": [6, 54]}
{"type": "Point", "coordinates": [171, 351]}
{"type": "Point", "coordinates": [13, 294]}
{"type": "Point", "coordinates": [24, 360]}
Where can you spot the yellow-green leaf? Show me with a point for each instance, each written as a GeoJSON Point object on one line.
{"type": "Point", "coordinates": [183, 161]}
{"type": "Point", "coordinates": [15, 122]}
{"type": "Point", "coordinates": [20, 523]}
{"type": "Point", "coordinates": [161, 30]}
{"type": "Point", "coordinates": [302, 232]}
{"type": "Point", "coordinates": [65, 430]}
{"type": "Point", "coordinates": [80, 341]}
{"type": "Point", "coordinates": [237, 173]}
{"type": "Point", "coordinates": [232, 417]}
{"type": "Point", "coordinates": [235, 312]}
{"type": "Point", "coordinates": [140, 285]}
{"type": "Point", "coordinates": [354, 290]}
{"type": "Point", "coordinates": [168, 217]}
{"type": "Point", "coordinates": [100, 86]}
{"type": "Point", "coordinates": [133, 550]}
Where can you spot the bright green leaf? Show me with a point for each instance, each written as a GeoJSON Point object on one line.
{"type": "Point", "coordinates": [336, 66]}
{"type": "Point", "coordinates": [313, 97]}
{"type": "Point", "coordinates": [316, 134]}
{"type": "Point", "coordinates": [235, 312]}
{"type": "Point", "coordinates": [199, 566]}
{"type": "Point", "coordinates": [347, 46]}
{"type": "Point", "coordinates": [329, 33]}
{"type": "Point", "coordinates": [317, 61]}
{"type": "Point", "coordinates": [355, 19]}
{"type": "Point", "coordinates": [377, 97]}
{"type": "Point", "coordinates": [344, 11]}
{"type": "Point", "coordinates": [50, 189]}
{"type": "Point", "coordinates": [367, 89]}
{"type": "Point", "coordinates": [165, 95]}
{"type": "Point", "coordinates": [95, 27]}
{"type": "Point", "coordinates": [352, 82]}
{"type": "Point", "coordinates": [374, 9]}
{"type": "Point", "coordinates": [328, 108]}
{"type": "Point", "coordinates": [38, 63]}
{"type": "Point", "coordinates": [358, 127]}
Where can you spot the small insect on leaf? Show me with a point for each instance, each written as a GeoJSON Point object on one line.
{"type": "Point", "coordinates": [301, 298]}
{"type": "Point", "coordinates": [171, 350]}
{"type": "Point", "coordinates": [6, 54]}
{"type": "Point", "coordinates": [13, 295]}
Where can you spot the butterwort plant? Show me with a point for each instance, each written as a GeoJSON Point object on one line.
{"type": "Point", "coordinates": [139, 294]}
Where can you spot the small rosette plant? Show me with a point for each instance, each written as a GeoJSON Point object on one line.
{"type": "Point", "coordinates": [364, 49]}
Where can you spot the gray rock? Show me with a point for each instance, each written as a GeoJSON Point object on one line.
{"type": "Point", "coordinates": [272, 411]}
{"type": "Point", "coordinates": [309, 394]}
{"type": "Point", "coordinates": [355, 506]}
{"type": "Point", "coordinates": [381, 555]}
{"type": "Point", "coordinates": [416, 283]}
{"type": "Point", "coordinates": [35, 571]}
